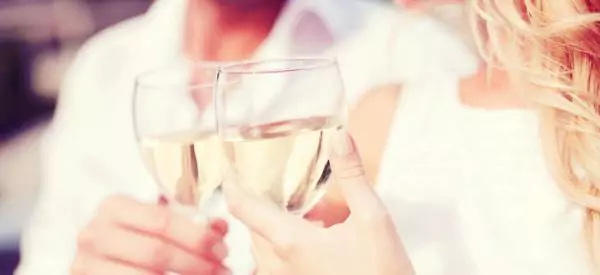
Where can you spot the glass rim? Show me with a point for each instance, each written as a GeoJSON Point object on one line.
{"type": "Point", "coordinates": [146, 79]}
{"type": "Point", "coordinates": [239, 68]}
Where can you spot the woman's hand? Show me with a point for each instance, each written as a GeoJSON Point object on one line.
{"type": "Point", "coordinates": [366, 243]}
{"type": "Point", "coordinates": [130, 238]}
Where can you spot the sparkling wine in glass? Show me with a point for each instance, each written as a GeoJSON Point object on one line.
{"type": "Point", "coordinates": [176, 132]}
{"type": "Point", "coordinates": [276, 119]}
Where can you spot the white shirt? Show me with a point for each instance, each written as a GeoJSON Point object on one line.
{"type": "Point", "coordinates": [90, 151]}
{"type": "Point", "coordinates": [469, 189]}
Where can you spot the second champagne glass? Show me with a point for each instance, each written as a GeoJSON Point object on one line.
{"type": "Point", "coordinates": [276, 119]}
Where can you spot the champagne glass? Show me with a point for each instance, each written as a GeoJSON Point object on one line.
{"type": "Point", "coordinates": [276, 119]}
{"type": "Point", "coordinates": [176, 131]}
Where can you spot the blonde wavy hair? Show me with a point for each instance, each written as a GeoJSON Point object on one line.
{"type": "Point", "coordinates": [554, 46]}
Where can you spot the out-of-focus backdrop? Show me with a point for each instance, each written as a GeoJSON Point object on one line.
{"type": "Point", "coordinates": [38, 40]}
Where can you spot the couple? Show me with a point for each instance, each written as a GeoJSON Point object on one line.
{"type": "Point", "coordinates": [456, 171]}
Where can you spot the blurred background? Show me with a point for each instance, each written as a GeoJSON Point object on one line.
{"type": "Point", "coordinates": [38, 40]}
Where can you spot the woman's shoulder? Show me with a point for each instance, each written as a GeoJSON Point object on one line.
{"type": "Point", "coordinates": [373, 118]}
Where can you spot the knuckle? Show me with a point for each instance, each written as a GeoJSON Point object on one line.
{"type": "Point", "coordinates": [161, 221]}
{"type": "Point", "coordinates": [375, 218]}
{"type": "Point", "coordinates": [235, 206]}
{"type": "Point", "coordinates": [352, 170]}
{"type": "Point", "coordinates": [108, 208]}
{"type": "Point", "coordinates": [86, 239]}
{"type": "Point", "coordinates": [110, 203]}
{"type": "Point", "coordinates": [160, 256]}
{"type": "Point", "coordinates": [285, 244]}
{"type": "Point", "coordinates": [205, 241]}
{"type": "Point", "coordinates": [198, 267]}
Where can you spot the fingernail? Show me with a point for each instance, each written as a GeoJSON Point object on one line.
{"type": "Point", "coordinates": [219, 225]}
{"type": "Point", "coordinates": [343, 144]}
{"type": "Point", "coordinates": [219, 250]}
{"type": "Point", "coordinates": [162, 200]}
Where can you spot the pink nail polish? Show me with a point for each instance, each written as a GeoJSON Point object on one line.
{"type": "Point", "coordinates": [162, 200]}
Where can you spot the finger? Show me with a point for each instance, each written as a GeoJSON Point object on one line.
{"type": "Point", "coordinates": [264, 255]}
{"type": "Point", "coordinates": [350, 176]}
{"type": "Point", "coordinates": [261, 216]}
{"type": "Point", "coordinates": [162, 200]}
{"type": "Point", "coordinates": [86, 264]}
{"type": "Point", "coordinates": [219, 225]}
{"type": "Point", "coordinates": [147, 252]}
{"type": "Point", "coordinates": [158, 221]}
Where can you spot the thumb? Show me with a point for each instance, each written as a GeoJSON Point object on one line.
{"type": "Point", "coordinates": [350, 176]}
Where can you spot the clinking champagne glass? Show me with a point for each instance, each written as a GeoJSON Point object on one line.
{"type": "Point", "coordinates": [276, 119]}
{"type": "Point", "coordinates": [176, 132]}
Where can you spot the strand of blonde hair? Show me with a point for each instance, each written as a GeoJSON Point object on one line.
{"type": "Point", "coordinates": [555, 46]}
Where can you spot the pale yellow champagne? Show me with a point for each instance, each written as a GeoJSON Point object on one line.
{"type": "Point", "coordinates": [187, 166]}
{"type": "Point", "coordinates": [285, 162]}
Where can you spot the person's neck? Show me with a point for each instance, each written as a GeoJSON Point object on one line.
{"type": "Point", "coordinates": [216, 30]}
{"type": "Point", "coordinates": [491, 88]}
